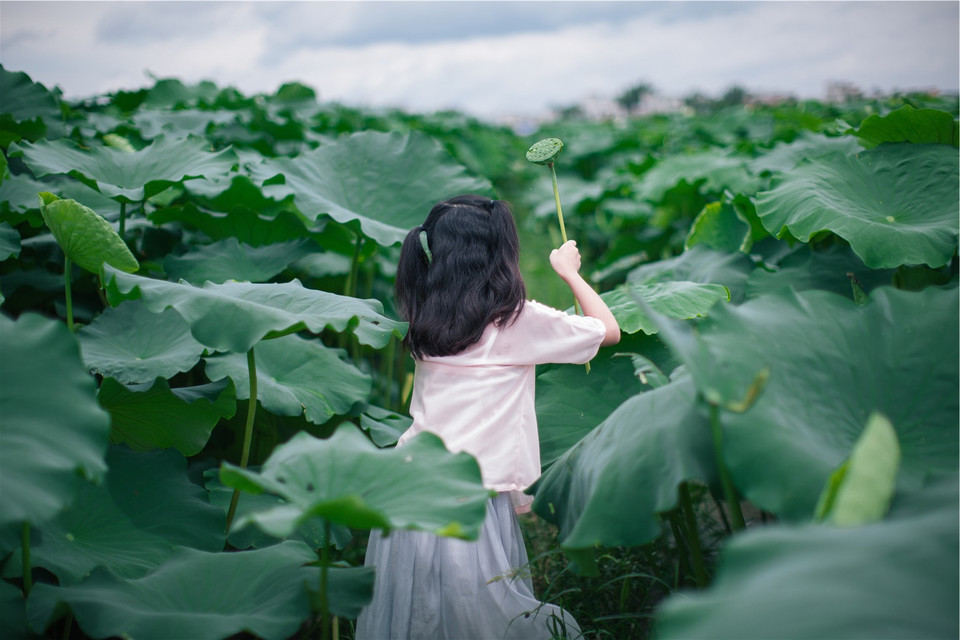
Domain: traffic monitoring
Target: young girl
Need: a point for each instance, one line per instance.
(476, 342)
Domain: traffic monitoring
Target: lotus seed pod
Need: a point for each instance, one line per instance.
(545, 151)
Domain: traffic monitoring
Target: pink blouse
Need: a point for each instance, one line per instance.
(481, 400)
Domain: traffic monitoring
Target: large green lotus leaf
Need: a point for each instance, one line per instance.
(379, 184)
(85, 237)
(699, 264)
(829, 364)
(127, 176)
(9, 241)
(346, 479)
(310, 531)
(132, 522)
(786, 155)
(18, 193)
(716, 170)
(249, 226)
(678, 299)
(563, 417)
(147, 417)
(133, 344)
(182, 123)
(23, 99)
(296, 376)
(52, 426)
(195, 594)
(720, 227)
(829, 269)
(893, 579)
(230, 260)
(896, 204)
(237, 315)
(384, 426)
(610, 486)
(906, 124)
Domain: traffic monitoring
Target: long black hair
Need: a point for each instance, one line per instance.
(470, 277)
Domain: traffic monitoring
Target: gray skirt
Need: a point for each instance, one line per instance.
(433, 588)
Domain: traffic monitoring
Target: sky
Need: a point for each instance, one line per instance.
(490, 59)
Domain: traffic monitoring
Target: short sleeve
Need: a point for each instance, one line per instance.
(544, 335)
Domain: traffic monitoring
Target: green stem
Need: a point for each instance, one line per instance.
(693, 536)
(123, 219)
(25, 553)
(324, 576)
(390, 367)
(247, 431)
(563, 230)
(350, 289)
(683, 562)
(729, 491)
(67, 282)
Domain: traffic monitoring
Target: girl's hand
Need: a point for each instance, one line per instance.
(566, 260)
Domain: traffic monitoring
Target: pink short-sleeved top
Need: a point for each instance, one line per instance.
(481, 400)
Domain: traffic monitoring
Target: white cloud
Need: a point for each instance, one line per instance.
(532, 63)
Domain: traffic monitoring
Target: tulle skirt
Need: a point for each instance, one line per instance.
(433, 588)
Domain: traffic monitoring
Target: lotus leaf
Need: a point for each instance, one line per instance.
(85, 237)
(859, 492)
(230, 260)
(608, 488)
(310, 531)
(378, 184)
(895, 205)
(820, 392)
(346, 479)
(195, 594)
(53, 431)
(133, 344)
(296, 376)
(677, 299)
(128, 177)
(699, 264)
(147, 417)
(906, 124)
(237, 315)
(834, 269)
(131, 523)
(714, 170)
(893, 579)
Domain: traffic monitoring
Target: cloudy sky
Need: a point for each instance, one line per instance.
(487, 58)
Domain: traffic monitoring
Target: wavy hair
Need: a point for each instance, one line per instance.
(470, 278)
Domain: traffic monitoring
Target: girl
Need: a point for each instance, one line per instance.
(476, 342)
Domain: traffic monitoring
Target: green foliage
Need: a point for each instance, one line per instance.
(785, 277)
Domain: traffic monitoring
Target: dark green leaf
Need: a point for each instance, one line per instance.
(132, 344)
(236, 315)
(610, 486)
(132, 522)
(895, 204)
(147, 417)
(52, 426)
(378, 184)
(296, 376)
(906, 124)
(85, 237)
(196, 594)
(890, 580)
(127, 176)
(348, 480)
(230, 260)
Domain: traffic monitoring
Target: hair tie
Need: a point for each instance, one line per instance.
(426, 247)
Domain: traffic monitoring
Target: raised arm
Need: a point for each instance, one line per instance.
(566, 262)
